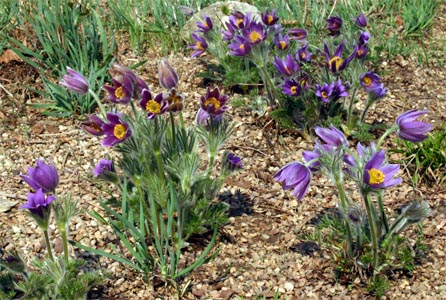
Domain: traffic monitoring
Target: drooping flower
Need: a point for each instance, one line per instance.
(116, 131)
(297, 34)
(303, 54)
(334, 25)
(378, 174)
(377, 92)
(239, 46)
(410, 129)
(103, 166)
(287, 66)
(324, 92)
(120, 92)
(254, 33)
(133, 82)
(234, 162)
(75, 82)
(214, 103)
(39, 205)
(206, 25)
(282, 41)
(93, 125)
(335, 62)
(269, 18)
(331, 136)
(363, 38)
(294, 176)
(43, 176)
(153, 107)
(291, 87)
(361, 21)
(199, 46)
(167, 75)
(369, 80)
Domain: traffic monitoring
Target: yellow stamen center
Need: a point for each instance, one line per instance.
(282, 45)
(324, 94)
(359, 52)
(212, 101)
(367, 81)
(376, 176)
(337, 61)
(199, 46)
(119, 131)
(303, 55)
(254, 36)
(270, 19)
(153, 107)
(119, 93)
(294, 89)
(242, 46)
(239, 21)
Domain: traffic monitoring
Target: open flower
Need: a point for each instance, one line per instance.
(153, 107)
(334, 25)
(410, 129)
(167, 75)
(269, 18)
(282, 41)
(206, 25)
(93, 125)
(43, 176)
(369, 80)
(120, 92)
(378, 174)
(324, 92)
(339, 90)
(335, 62)
(254, 33)
(199, 46)
(116, 131)
(75, 82)
(239, 46)
(295, 176)
(287, 66)
(303, 54)
(39, 206)
(291, 87)
(204, 119)
(214, 103)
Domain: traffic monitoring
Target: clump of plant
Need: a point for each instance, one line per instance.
(64, 33)
(361, 232)
(305, 84)
(168, 173)
(53, 278)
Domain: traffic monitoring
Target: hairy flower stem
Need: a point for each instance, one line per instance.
(344, 207)
(373, 230)
(382, 212)
(350, 109)
(64, 235)
(98, 102)
(385, 134)
(172, 123)
(48, 245)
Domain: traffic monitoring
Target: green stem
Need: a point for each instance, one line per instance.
(63, 233)
(385, 134)
(382, 212)
(269, 86)
(344, 208)
(373, 230)
(159, 164)
(98, 102)
(172, 122)
(48, 245)
(350, 109)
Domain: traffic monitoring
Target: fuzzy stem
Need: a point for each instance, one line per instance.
(63, 233)
(48, 245)
(350, 109)
(344, 207)
(373, 230)
(382, 212)
(385, 134)
(98, 102)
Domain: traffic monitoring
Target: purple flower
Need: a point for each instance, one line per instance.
(361, 21)
(303, 54)
(313, 157)
(282, 41)
(286, 67)
(102, 167)
(116, 131)
(304, 81)
(43, 176)
(339, 90)
(379, 175)
(369, 80)
(234, 162)
(295, 176)
(75, 82)
(291, 87)
(334, 25)
(238, 20)
(214, 103)
(228, 34)
(120, 92)
(153, 107)
(39, 205)
(174, 100)
(361, 50)
(410, 129)
(93, 125)
(335, 62)
(269, 18)
(331, 136)
(297, 34)
(254, 33)
(363, 38)
(377, 92)
(199, 46)
(239, 47)
(167, 75)
(204, 119)
(124, 75)
(324, 92)
(206, 25)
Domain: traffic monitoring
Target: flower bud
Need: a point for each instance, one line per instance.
(167, 75)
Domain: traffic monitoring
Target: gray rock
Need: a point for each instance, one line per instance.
(218, 18)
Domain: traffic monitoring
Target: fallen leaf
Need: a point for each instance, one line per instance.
(9, 56)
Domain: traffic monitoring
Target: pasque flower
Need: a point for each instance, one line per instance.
(410, 129)
(214, 103)
(286, 66)
(324, 92)
(199, 46)
(334, 25)
(234, 162)
(206, 25)
(335, 62)
(269, 18)
(120, 92)
(75, 82)
(377, 92)
(204, 119)
(153, 107)
(254, 33)
(43, 176)
(297, 34)
(339, 90)
(282, 41)
(378, 174)
(93, 125)
(303, 54)
(291, 87)
(102, 167)
(239, 46)
(39, 206)
(123, 75)
(331, 136)
(116, 131)
(369, 80)
(361, 21)
(294, 176)
(167, 75)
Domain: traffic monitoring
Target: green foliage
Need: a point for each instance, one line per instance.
(64, 34)
(425, 161)
(8, 11)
